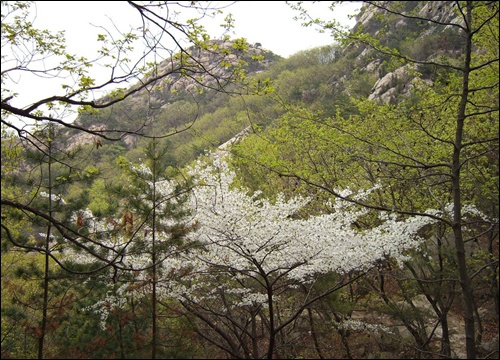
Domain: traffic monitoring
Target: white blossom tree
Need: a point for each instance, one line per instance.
(250, 256)
(257, 255)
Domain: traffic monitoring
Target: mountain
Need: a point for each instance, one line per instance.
(174, 101)
(422, 41)
(341, 125)
(188, 106)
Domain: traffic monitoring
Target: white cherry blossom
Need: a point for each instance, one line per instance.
(248, 253)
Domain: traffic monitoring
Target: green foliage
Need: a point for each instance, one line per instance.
(11, 156)
(312, 131)
(22, 291)
(102, 203)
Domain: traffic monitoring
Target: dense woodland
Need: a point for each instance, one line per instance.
(230, 203)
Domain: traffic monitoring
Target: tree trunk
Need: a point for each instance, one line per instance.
(465, 280)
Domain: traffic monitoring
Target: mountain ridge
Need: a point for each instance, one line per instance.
(359, 71)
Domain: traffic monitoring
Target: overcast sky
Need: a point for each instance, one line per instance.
(267, 22)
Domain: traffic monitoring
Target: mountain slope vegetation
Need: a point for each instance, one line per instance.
(339, 203)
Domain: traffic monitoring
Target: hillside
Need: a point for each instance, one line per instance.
(178, 102)
(339, 203)
(334, 72)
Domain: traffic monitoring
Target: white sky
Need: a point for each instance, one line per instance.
(268, 22)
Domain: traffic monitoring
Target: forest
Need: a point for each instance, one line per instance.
(222, 202)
